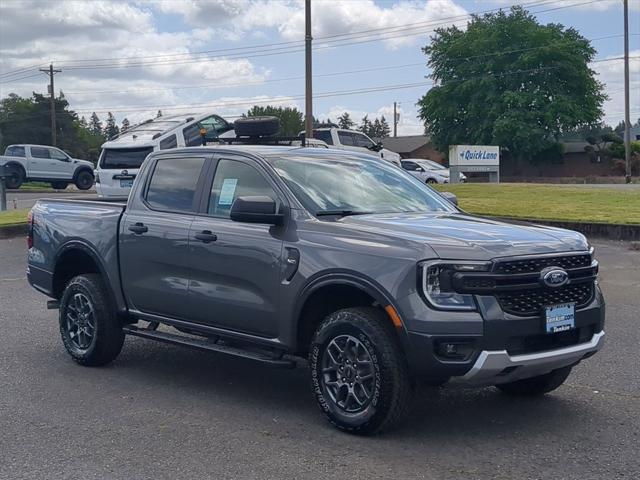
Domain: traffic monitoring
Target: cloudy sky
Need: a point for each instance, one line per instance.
(133, 58)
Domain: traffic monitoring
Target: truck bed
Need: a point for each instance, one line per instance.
(91, 224)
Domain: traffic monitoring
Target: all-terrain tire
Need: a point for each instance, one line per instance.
(84, 180)
(392, 388)
(256, 126)
(100, 322)
(16, 177)
(534, 386)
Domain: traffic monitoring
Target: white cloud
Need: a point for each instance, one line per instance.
(598, 5)
(612, 75)
(329, 17)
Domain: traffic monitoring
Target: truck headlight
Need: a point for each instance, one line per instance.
(437, 284)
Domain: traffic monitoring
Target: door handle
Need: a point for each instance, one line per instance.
(138, 228)
(206, 236)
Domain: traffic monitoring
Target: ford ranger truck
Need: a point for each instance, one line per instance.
(277, 254)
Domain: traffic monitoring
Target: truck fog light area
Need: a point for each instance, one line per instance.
(437, 285)
(454, 349)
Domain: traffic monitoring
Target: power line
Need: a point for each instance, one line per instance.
(260, 51)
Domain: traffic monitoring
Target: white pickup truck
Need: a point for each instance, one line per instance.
(356, 141)
(45, 164)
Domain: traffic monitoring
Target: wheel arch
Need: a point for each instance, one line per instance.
(75, 258)
(333, 291)
(18, 165)
(80, 169)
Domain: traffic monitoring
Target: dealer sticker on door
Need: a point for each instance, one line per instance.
(560, 318)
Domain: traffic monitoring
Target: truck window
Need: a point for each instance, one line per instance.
(214, 125)
(58, 155)
(15, 151)
(123, 158)
(324, 135)
(40, 152)
(346, 138)
(192, 135)
(361, 140)
(173, 184)
(169, 142)
(235, 179)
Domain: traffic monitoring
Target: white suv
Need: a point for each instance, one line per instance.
(354, 140)
(122, 157)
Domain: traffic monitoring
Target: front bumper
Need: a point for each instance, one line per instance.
(494, 367)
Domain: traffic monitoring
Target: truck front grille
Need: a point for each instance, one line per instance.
(532, 265)
(530, 302)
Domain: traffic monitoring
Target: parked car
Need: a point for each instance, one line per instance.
(355, 141)
(428, 171)
(43, 163)
(274, 253)
(122, 156)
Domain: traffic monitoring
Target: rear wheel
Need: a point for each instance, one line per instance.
(59, 185)
(535, 386)
(89, 328)
(16, 177)
(359, 376)
(84, 180)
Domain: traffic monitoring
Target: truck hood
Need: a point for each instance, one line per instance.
(83, 162)
(463, 236)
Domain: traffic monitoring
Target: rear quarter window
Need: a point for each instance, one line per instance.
(15, 151)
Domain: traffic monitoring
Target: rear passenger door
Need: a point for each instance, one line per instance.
(235, 267)
(154, 235)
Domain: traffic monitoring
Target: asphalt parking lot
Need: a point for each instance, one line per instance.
(164, 412)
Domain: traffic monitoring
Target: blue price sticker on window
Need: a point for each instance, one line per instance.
(228, 191)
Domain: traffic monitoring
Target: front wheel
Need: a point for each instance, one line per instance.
(535, 386)
(359, 375)
(89, 327)
(84, 180)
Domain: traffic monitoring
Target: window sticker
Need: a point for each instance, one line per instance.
(227, 191)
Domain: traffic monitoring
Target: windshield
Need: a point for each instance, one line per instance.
(346, 185)
(124, 158)
(431, 165)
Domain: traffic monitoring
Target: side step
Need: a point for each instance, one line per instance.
(209, 346)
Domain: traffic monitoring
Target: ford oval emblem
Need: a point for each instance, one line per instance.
(554, 277)
(124, 172)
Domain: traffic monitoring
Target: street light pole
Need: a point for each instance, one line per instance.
(308, 120)
(627, 117)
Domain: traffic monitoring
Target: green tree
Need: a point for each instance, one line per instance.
(508, 80)
(95, 125)
(126, 125)
(291, 119)
(365, 125)
(111, 128)
(344, 121)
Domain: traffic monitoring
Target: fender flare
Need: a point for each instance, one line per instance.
(79, 169)
(13, 163)
(373, 289)
(76, 244)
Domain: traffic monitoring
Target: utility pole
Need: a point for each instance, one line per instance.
(627, 118)
(308, 119)
(52, 100)
(395, 119)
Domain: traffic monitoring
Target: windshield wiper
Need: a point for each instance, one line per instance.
(342, 213)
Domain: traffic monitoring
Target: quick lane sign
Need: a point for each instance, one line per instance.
(476, 155)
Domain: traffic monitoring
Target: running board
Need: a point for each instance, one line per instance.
(208, 346)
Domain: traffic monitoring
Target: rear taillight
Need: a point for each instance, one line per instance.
(30, 230)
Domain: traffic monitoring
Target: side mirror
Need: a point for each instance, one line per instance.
(420, 169)
(451, 197)
(258, 209)
(376, 147)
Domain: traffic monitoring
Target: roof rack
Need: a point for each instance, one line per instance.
(270, 140)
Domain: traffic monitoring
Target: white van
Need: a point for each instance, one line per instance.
(356, 141)
(122, 157)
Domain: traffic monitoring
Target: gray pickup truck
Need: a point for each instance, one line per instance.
(275, 253)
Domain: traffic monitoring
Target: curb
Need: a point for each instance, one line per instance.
(611, 231)
(10, 231)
